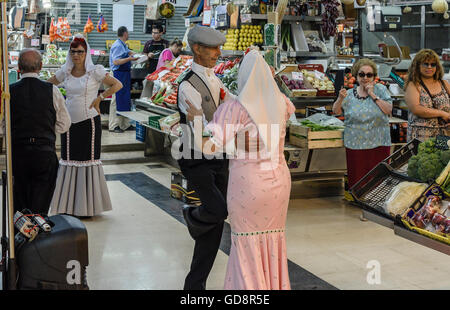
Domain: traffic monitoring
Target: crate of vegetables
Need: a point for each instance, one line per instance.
(430, 215)
(293, 83)
(315, 75)
(312, 136)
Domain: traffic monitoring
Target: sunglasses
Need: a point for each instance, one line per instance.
(369, 75)
(73, 52)
(427, 64)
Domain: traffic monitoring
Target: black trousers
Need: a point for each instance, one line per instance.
(34, 179)
(209, 179)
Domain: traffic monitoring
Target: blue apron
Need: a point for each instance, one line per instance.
(123, 96)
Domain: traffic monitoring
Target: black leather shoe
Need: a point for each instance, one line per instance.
(195, 228)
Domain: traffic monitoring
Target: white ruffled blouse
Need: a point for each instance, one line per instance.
(81, 92)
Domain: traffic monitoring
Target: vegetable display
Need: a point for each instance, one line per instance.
(102, 25)
(403, 196)
(229, 79)
(329, 17)
(429, 162)
(317, 127)
(89, 25)
(293, 84)
(241, 39)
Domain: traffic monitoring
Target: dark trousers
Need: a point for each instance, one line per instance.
(34, 179)
(209, 179)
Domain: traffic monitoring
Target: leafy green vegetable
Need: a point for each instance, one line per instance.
(429, 162)
(316, 127)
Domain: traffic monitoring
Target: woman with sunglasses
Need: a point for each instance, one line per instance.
(81, 186)
(427, 96)
(366, 108)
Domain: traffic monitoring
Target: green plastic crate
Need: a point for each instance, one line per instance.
(153, 121)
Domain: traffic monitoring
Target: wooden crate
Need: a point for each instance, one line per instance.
(309, 92)
(315, 139)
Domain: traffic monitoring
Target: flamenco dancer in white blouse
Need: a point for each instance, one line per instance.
(81, 188)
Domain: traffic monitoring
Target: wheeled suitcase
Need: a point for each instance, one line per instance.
(55, 260)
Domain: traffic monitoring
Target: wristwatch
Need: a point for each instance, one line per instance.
(101, 96)
(376, 98)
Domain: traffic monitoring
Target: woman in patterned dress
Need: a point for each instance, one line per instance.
(81, 188)
(366, 108)
(259, 180)
(427, 96)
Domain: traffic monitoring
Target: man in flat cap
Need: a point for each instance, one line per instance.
(208, 177)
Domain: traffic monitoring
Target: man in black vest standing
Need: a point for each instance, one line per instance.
(38, 111)
(208, 177)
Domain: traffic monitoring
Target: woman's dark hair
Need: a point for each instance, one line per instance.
(176, 42)
(77, 42)
(121, 31)
(159, 28)
(422, 56)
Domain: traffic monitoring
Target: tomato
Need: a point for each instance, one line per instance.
(351, 85)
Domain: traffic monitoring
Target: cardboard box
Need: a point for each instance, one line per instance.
(392, 52)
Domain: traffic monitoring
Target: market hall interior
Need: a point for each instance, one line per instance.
(328, 246)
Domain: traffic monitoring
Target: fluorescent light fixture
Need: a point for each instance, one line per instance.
(47, 4)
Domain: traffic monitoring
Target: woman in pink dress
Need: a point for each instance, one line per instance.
(170, 53)
(259, 180)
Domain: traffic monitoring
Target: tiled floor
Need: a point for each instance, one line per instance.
(142, 245)
(324, 235)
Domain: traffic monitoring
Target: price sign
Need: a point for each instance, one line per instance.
(45, 39)
(319, 75)
(34, 42)
(443, 142)
(187, 22)
(297, 76)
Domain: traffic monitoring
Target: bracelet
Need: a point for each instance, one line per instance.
(101, 96)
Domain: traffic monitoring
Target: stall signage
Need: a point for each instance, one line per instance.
(45, 39)
(442, 142)
(34, 42)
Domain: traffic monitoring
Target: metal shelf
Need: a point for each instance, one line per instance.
(308, 54)
(154, 108)
(290, 18)
(229, 53)
(422, 240)
(197, 19)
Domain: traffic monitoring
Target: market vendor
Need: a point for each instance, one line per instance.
(208, 177)
(120, 63)
(167, 55)
(427, 96)
(153, 48)
(366, 109)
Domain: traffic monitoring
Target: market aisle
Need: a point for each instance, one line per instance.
(143, 244)
(325, 237)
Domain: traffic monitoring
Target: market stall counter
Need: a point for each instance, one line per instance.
(409, 193)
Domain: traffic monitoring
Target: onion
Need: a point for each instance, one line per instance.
(439, 6)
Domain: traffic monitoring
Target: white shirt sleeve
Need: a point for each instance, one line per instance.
(99, 73)
(63, 120)
(60, 75)
(187, 92)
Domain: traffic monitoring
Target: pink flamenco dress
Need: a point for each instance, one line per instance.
(258, 198)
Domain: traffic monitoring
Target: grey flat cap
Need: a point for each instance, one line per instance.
(205, 36)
